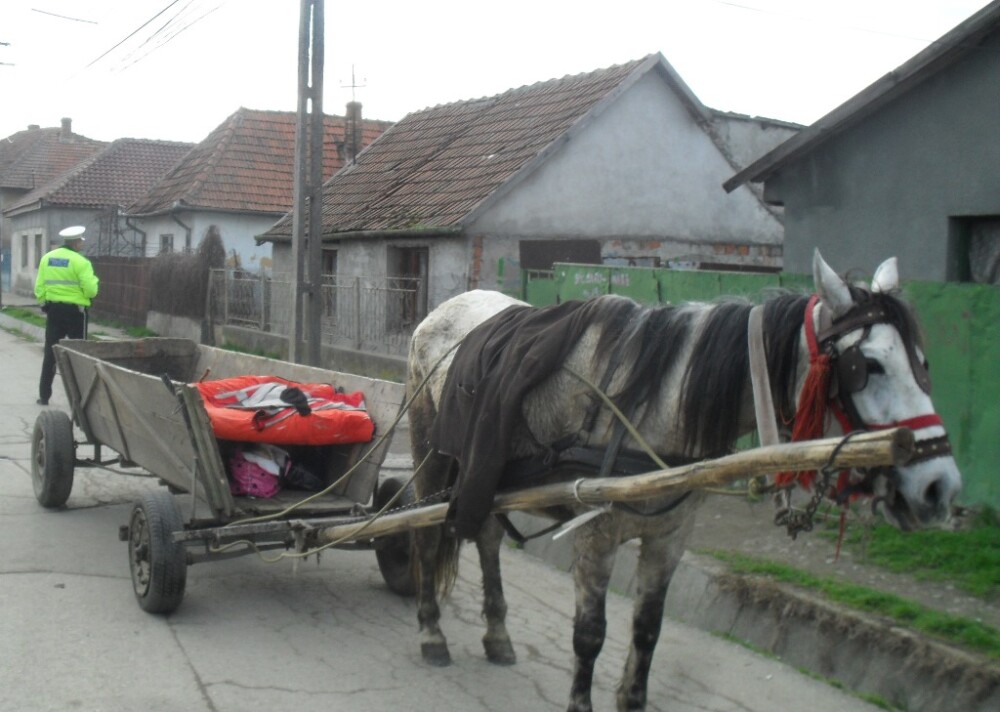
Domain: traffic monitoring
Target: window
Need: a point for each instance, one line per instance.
(166, 243)
(24, 251)
(974, 249)
(406, 298)
(38, 249)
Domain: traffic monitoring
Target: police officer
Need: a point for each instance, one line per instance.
(65, 285)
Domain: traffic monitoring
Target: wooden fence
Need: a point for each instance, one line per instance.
(124, 291)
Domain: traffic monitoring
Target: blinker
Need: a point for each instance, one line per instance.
(852, 370)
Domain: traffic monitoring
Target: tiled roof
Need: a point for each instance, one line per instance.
(35, 156)
(436, 166)
(118, 175)
(246, 165)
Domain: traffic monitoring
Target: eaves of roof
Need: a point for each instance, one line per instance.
(181, 207)
(402, 233)
(940, 54)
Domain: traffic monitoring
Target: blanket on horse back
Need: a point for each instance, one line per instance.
(495, 366)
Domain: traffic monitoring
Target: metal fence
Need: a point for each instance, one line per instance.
(370, 314)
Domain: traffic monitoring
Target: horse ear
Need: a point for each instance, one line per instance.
(886, 277)
(830, 287)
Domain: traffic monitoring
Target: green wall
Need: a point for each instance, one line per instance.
(961, 323)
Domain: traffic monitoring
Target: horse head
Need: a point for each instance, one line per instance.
(875, 378)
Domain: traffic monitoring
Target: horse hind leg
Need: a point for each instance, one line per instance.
(427, 542)
(430, 545)
(496, 641)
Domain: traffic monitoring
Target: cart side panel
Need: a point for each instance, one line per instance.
(212, 472)
(383, 400)
(134, 414)
(155, 356)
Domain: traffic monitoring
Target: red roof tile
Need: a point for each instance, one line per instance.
(33, 157)
(117, 175)
(246, 164)
(437, 165)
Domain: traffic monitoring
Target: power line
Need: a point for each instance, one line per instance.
(63, 17)
(168, 37)
(132, 34)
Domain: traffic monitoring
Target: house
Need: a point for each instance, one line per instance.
(617, 166)
(91, 193)
(240, 180)
(907, 167)
(29, 159)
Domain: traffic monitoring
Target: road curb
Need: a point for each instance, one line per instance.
(865, 653)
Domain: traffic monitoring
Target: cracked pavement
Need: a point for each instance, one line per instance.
(330, 636)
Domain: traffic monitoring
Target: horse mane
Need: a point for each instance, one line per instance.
(648, 338)
(717, 372)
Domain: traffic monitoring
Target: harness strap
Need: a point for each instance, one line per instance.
(767, 425)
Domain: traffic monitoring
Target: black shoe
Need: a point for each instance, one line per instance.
(42, 401)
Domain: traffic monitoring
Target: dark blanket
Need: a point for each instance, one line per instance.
(496, 365)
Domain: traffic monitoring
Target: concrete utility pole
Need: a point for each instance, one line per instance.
(307, 213)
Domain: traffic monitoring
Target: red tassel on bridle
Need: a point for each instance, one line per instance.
(810, 416)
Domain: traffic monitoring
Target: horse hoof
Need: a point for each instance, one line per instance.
(436, 654)
(500, 652)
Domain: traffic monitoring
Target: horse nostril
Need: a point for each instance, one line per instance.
(932, 495)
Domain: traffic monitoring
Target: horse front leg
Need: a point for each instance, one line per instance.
(595, 546)
(496, 641)
(433, 645)
(659, 554)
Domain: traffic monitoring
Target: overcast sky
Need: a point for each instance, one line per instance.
(168, 69)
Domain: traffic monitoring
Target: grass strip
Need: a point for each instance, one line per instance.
(958, 630)
(968, 558)
(29, 316)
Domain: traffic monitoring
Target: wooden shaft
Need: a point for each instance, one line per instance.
(881, 448)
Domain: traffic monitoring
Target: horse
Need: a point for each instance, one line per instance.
(681, 374)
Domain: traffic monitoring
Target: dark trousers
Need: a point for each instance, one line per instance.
(63, 321)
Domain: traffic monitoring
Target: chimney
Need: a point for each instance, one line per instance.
(67, 129)
(352, 132)
(32, 127)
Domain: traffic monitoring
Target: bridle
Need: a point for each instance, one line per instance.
(849, 370)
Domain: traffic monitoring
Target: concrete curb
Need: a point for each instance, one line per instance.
(865, 653)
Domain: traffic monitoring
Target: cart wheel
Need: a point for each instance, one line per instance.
(52, 458)
(158, 564)
(393, 551)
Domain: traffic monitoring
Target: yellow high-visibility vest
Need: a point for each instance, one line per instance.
(65, 275)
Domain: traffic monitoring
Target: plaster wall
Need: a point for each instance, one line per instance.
(889, 185)
(237, 230)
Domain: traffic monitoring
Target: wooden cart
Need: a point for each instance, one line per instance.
(136, 398)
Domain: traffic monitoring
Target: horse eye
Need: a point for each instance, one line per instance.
(874, 366)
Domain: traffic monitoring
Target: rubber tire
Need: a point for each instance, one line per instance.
(393, 552)
(53, 457)
(158, 564)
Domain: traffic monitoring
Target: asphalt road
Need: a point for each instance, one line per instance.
(327, 636)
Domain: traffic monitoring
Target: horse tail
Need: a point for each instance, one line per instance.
(446, 563)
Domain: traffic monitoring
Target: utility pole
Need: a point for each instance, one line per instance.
(307, 212)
